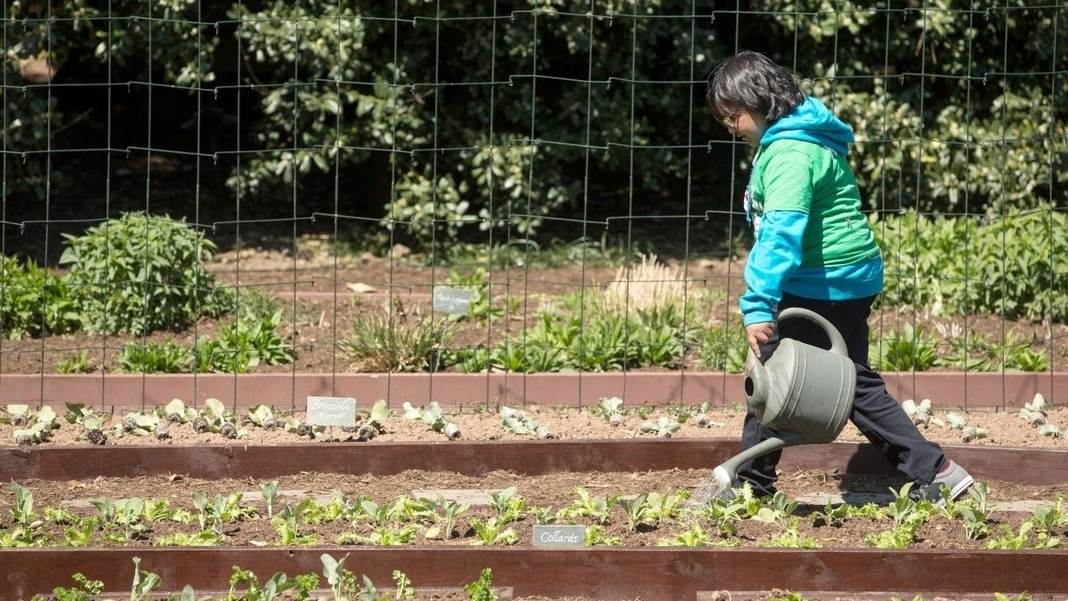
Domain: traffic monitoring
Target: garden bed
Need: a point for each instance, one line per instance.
(582, 477)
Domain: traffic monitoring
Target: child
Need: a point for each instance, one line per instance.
(813, 249)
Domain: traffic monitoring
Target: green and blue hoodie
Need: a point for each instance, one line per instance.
(803, 202)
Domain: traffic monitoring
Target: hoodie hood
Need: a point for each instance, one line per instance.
(812, 122)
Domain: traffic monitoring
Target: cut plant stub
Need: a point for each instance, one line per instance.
(365, 432)
(451, 431)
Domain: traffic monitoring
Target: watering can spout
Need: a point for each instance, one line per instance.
(727, 472)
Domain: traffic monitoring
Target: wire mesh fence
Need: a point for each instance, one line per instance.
(330, 188)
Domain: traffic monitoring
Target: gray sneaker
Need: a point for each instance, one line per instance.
(955, 479)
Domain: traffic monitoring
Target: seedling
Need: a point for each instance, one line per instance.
(636, 509)
(446, 514)
(791, 537)
(373, 421)
(176, 412)
(611, 409)
(664, 507)
(519, 422)
(214, 417)
(1035, 411)
(664, 427)
(1050, 430)
(262, 416)
(404, 588)
(341, 581)
(144, 582)
(508, 505)
(38, 425)
(919, 413)
(270, 493)
(140, 424)
(493, 531)
(285, 525)
(434, 417)
(22, 511)
(93, 431)
(481, 589)
(701, 418)
(970, 433)
(696, 536)
(586, 505)
(85, 591)
(16, 415)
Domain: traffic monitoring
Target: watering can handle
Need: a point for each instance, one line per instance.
(838, 345)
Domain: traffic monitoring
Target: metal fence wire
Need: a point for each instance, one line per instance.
(378, 199)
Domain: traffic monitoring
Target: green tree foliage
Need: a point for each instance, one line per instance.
(445, 120)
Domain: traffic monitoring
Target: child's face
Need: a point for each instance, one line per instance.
(749, 126)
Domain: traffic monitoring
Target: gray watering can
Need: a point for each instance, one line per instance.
(802, 391)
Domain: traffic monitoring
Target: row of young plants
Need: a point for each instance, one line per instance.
(342, 584)
(1034, 413)
(142, 273)
(36, 425)
(647, 518)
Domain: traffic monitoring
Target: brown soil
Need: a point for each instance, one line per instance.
(557, 490)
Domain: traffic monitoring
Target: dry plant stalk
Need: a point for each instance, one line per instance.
(648, 285)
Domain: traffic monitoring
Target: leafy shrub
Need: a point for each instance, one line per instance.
(1013, 264)
(141, 273)
(34, 302)
(242, 344)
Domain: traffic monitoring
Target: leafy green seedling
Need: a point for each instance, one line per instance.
(611, 409)
(374, 421)
(664, 427)
(404, 588)
(446, 514)
(176, 412)
(508, 504)
(262, 416)
(1035, 411)
(493, 531)
(519, 422)
(434, 417)
(481, 589)
(635, 508)
(270, 493)
(37, 425)
(919, 413)
(144, 582)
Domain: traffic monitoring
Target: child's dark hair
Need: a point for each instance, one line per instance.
(751, 81)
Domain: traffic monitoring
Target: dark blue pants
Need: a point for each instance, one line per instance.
(875, 413)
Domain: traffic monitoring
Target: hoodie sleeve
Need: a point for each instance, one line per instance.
(775, 256)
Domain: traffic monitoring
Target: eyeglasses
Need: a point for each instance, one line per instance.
(731, 120)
